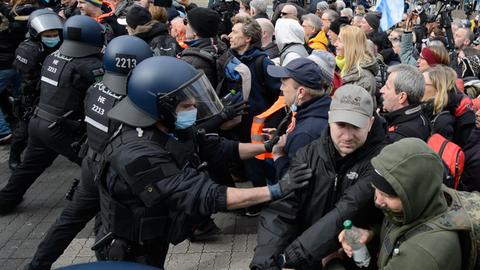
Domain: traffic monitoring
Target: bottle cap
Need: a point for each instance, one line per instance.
(347, 224)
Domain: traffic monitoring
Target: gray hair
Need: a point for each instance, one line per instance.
(347, 12)
(260, 6)
(322, 6)
(314, 21)
(408, 80)
(332, 14)
(340, 5)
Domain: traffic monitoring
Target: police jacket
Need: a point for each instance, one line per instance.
(64, 82)
(202, 54)
(305, 225)
(29, 58)
(152, 187)
(407, 122)
(310, 121)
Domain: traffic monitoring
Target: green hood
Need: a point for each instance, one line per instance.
(415, 172)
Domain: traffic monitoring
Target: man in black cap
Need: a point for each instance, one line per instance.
(154, 33)
(301, 229)
(204, 46)
(371, 26)
(304, 89)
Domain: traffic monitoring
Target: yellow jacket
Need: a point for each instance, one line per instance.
(319, 42)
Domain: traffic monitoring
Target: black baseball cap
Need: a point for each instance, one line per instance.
(302, 70)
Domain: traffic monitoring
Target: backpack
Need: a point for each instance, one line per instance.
(462, 216)
(452, 156)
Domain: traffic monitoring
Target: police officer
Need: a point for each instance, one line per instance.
(121, 55)
(57, 121)
(151, 186)
(44, 28)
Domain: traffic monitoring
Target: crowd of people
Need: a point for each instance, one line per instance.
(165, 105)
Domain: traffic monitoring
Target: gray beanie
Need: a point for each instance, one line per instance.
(326, 62)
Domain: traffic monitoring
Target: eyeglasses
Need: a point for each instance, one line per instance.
(397, 39)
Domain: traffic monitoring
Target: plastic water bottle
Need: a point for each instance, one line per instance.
(231, 98)
(360, 251)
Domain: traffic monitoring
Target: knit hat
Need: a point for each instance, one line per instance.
(338, 23)
(204, 21)
(322, 6)
(97, 3)
(429, 56)
(138, 15)
(379, 182)
(326, 62)
(373, 19)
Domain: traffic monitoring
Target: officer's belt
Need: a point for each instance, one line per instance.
(46, 115)
(93, 155)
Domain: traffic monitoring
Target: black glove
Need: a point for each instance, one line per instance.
(234, 110)
(296, 177)
(271, 143)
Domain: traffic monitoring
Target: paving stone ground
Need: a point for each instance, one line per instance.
(20, 232)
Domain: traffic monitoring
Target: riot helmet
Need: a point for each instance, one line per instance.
(82, 35)
(122, 54)
(157, 85)
(42, 20)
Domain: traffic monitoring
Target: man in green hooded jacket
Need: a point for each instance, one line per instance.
(407, 185)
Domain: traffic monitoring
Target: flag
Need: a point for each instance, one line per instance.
(392, 12)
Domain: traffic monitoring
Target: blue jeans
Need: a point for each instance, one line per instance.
(7, 77)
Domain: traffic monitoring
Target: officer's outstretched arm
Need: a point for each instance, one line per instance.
(297, 177)
(250, 150)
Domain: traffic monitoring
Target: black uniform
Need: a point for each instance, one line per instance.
(29, 58)
(56, 123)
(152, 191)
(85, 203)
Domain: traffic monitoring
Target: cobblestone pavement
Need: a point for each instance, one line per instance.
(21, 231)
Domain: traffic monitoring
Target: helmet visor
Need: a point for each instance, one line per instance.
(46, 22)
(201, 93)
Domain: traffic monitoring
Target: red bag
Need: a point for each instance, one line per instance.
(452, 156)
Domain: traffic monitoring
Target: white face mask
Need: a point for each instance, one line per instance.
(294, 106)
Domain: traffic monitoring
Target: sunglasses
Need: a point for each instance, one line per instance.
(284, 13)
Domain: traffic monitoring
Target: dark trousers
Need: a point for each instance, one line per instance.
(44, 145)
(78, 212)
(19, 140)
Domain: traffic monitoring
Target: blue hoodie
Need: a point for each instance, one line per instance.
(310, 121)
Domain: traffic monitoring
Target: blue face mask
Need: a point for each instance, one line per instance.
(186, 119)
(51, 41)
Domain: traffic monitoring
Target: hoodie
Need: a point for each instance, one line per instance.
(415, 172)
(310, 121)
(157, 36)
(290, 38)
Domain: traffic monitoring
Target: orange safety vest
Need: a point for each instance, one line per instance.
(100, 18)
(259, 123)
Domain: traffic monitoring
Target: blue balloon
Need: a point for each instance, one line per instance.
(109, 265)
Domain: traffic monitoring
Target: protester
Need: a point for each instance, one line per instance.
(268, 45)
(440, 101)
(401, 96)
(315, 37)
(258, 9)
(290, 37)
(407, 179)
(300, 230)
(357, 64)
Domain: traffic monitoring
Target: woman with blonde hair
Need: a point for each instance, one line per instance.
(445, 106)
(355, 60)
